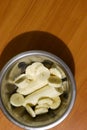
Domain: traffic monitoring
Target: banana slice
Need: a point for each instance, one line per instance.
(27, 87)
(30, 110)
(42, 106)
(56, 72)
(56, 103)
(17, 100)
(45, 100)
(41, 110)
(37, 70)
(61, 71)
(20, 78)
(54, 81)
(46, 91)
(65, 85)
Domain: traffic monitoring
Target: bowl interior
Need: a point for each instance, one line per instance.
(19, 114)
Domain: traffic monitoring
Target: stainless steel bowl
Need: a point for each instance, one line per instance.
(18, 115)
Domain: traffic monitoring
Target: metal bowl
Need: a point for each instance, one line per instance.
(18, 115)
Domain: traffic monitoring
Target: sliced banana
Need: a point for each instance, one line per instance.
(37, 70)
(45, 105)
(30, 110)
(46, 91)
(20, 78)
(65, 85)
(56, 72)
(56, 103)
(17, 100)
(45, 100)
(28, 87)
(61, 71)
(41, 110)
(54, 81)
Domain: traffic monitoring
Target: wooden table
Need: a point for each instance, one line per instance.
(58, 26)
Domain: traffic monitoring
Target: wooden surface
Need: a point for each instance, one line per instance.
(62, 19)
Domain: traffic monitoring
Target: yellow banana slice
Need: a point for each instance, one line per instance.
(41, 110)
(45, 100)
(42, 106)
(61, 71)
(65, 85)
(20, 78)
(37, 70)
(56, 72)
(17, 100)
(56, 103)
(30, 110)
(46, 91)
(54, 81)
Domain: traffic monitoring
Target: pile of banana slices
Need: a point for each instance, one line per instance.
(37, 89)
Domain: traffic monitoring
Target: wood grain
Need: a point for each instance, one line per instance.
(65, 19)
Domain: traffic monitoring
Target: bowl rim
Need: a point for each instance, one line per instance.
(55, 58)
